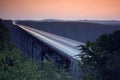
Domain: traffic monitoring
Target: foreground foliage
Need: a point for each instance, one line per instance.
(13, 66)
(101, 59)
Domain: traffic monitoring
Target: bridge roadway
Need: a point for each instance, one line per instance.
(69, 47)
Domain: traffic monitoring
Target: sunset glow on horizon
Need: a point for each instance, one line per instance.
(60, 9)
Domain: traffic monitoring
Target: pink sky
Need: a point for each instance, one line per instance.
(60, 9)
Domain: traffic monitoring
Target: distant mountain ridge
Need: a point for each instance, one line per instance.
(108, 22)
(76, 30)
(52, 20)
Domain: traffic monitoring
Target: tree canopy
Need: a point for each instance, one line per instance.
(101, 59)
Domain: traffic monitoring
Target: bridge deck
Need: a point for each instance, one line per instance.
(68, 46)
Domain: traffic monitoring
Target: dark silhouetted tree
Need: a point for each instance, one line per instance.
(101, 59)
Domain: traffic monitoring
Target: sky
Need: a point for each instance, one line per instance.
(60, 9)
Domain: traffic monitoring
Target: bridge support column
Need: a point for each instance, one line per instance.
(76, 70)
